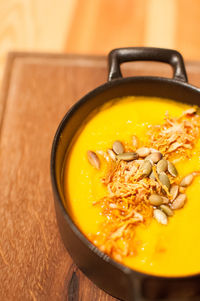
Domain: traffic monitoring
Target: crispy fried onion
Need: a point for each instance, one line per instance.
(176, 136)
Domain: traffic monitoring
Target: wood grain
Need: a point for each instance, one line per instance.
(187, 39)
(34, 25)
(96, 27)
(102, 25)
(37, 92)
(99, 26)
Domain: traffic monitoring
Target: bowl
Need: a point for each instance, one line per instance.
(116, 279)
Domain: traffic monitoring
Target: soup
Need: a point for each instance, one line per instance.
(132, 184)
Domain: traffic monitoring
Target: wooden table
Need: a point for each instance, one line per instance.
(97, 26)
(37, 91)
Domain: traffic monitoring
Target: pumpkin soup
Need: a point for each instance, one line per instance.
(132, 184)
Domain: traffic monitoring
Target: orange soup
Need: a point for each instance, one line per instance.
(132, 184)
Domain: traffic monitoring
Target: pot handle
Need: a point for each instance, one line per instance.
(121, 55)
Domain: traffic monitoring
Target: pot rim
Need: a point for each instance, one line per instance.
(125, 269)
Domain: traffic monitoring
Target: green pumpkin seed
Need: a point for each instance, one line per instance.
(164, 179)
(118, 147)
(155, 200)
(179, 202)
(111, 154)
(130, 156)
(93, 159)
(146, 168)
(143, 152)
(172, 169)
(166, 210)
(160, 216)
(135, 142)
(161, 166)
(154, 157)
(187, 180)
(174, 191)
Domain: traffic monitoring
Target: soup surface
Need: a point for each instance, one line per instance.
(170, 248)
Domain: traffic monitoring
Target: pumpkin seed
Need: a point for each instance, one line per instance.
(152, 176)
(154, 157)
(174, 192)
(160, 216)
(182, 189)
(187, 180)
(118, 147)
(179, 202)
(143, 152)
(130, 156)
(190, 111)
(161, 166)
(165, 200)
(111, 154)
(166, 210)
(135, 142)
(155, 200)
(146, 168)
(164, 179)
(93, 159)
(172, 169)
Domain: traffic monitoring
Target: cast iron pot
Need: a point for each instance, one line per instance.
(116, 279)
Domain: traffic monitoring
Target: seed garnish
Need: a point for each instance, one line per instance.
(160, 216)
(129, 156)
(93, 159)
(179, 202)
(155, 200)
(182, 189)
(162, 166)
(174, 192)
(166, 210)
(142, 180)
(143, 152)
(118, 147)
(190, 111)
(172, 169)
(187, 180)
(165, 200)
(111, 154)
(146, 168)
(152, 175)
(154, 157)
(164, 180)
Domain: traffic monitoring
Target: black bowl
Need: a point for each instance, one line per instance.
(116, 279)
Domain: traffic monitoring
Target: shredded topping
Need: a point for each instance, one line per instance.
(134, 196)
(176, 136)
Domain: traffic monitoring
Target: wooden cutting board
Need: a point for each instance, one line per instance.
(37, 91)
